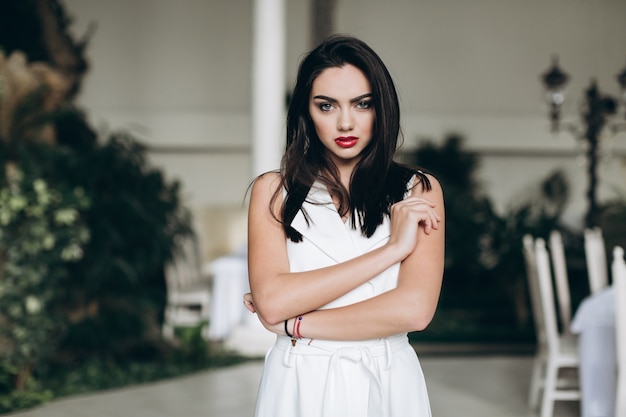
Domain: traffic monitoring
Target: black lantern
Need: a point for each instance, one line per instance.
(554, 81)
(598, 108)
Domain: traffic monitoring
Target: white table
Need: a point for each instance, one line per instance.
(230, 322)
(230, 282)
(594, 321)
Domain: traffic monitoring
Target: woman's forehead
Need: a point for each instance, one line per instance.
(339, 82)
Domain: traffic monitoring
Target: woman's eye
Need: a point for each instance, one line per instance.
(326, 107)
(364, 104)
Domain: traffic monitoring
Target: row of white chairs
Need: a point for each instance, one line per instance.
(555, 371)
(188, 291)
(618, 269)
(597, 271)
(206, 296)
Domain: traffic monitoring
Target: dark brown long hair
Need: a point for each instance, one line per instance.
(377, 181)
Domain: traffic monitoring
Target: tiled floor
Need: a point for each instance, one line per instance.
(468, 386)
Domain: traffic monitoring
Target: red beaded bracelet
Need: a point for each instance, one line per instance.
(299, 321)
(295, 333)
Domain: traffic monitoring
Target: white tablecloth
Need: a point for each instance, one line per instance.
(594, 321)
(230, 282)
(230, 322)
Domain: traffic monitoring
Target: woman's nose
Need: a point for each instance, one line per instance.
(345, 121)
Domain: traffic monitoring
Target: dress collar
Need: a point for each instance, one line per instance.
(326, 230)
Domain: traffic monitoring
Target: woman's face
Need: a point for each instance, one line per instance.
(343, 114)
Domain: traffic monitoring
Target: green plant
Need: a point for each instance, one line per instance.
(484, 294)
(87, 227)
(537, 215)
(41, 231)
(100, 310)
(613, 222)
(98, 374)
(192, 348)
(116, 302)
(42, 228)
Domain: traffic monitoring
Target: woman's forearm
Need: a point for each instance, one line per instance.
(287, 294)
(370, 319)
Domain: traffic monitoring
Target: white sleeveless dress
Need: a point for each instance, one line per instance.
(322, 378)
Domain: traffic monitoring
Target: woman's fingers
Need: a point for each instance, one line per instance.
(420, 210)
(407, 216)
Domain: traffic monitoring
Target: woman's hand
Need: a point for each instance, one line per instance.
(406, 218)
(248, 302)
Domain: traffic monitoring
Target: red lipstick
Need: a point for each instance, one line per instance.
(346, 141)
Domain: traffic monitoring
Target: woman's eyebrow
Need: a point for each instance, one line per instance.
(334, 100)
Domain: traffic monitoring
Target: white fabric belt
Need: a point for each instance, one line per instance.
(359, 352)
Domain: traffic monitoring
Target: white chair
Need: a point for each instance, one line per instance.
(559, 353)
(595, 255)
(528, 250)
(188, 291)
(618, 270)
(557, 255)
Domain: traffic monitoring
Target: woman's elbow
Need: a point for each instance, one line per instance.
(421, 323)
(269, 311)
(267, 304)
(418, 319)
(267, 314)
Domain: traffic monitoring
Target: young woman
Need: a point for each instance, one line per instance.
(345, 248)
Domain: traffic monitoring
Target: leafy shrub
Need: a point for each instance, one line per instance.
(41, 231)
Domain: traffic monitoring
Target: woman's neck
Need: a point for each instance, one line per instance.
(345, 174)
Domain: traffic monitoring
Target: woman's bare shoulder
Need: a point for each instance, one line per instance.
(421, 189)
(265, 192)
(266, 183)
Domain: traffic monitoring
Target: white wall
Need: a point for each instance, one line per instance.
(178, 73)
(474, 67)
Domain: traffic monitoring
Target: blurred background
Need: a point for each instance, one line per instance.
(181, 73)
(146, 121)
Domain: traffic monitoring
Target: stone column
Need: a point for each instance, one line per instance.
(268, 84)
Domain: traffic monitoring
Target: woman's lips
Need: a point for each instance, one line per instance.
(346, 141)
